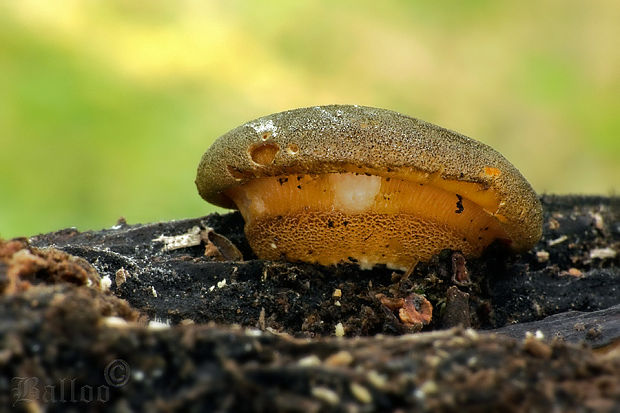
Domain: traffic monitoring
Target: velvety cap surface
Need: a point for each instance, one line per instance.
(345, 138)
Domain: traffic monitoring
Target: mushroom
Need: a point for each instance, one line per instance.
(347, 183)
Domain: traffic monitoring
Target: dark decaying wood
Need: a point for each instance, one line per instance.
(257, 335)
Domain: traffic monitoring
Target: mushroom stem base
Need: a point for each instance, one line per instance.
(396, 240)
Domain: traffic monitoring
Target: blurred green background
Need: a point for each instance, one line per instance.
(107, 106)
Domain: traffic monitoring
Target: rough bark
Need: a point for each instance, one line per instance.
(257, 335)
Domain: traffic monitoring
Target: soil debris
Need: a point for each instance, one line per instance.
(177, 329)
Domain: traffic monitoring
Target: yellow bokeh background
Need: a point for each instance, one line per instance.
(107, 106)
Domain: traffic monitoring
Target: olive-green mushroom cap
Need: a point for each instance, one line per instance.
(336, 138)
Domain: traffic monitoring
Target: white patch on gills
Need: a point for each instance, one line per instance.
(354, 193)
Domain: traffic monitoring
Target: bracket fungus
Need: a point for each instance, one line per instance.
(342, 183)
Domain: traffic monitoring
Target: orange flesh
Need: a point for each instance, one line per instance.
(368, 219)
